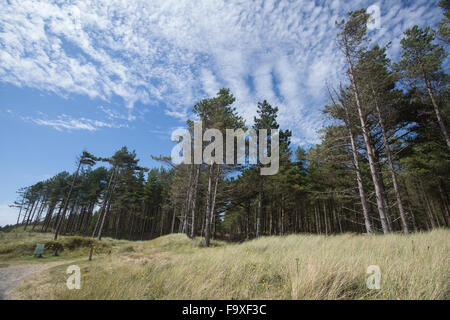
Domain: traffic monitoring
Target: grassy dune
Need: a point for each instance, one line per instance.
(292, 267)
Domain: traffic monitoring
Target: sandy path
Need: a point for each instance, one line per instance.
(13, 276)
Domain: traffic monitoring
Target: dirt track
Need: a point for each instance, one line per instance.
(12, 276)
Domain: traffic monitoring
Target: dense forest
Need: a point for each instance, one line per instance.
(382, 165)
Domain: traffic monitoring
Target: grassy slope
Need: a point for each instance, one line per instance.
(292, 267)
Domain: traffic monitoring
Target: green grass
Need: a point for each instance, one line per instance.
(291, 267)
(20, 246)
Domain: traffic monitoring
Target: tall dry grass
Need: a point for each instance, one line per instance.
(292, 267)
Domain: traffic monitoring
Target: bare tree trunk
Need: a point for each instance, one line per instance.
(188, 201)
(102, 209)
(117, 223)
(316, 216)
(392, 169)
(370, 154)
(411, 212)
(48, 217)
(144, 222)
(106, 204)
(247, 226)
(362, 193)
(162, 222)
(89, 217)
(413, 219)
(436, 216)
(282, 216)
(325, 217)
(57, 216)
(38, 217)
(213, 202)
(173, 218)
(153, 226)
(31, 215)
(438, 112)
(382, 188)
(69, 219)
(444, 199)
(26, 211)
(429, 209)
(132, 225)
(63, 215)
(20, 211)
(208, 206)
(271, 223)
(260, 200)
(194, 201)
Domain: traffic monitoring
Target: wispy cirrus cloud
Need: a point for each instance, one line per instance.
(174, 52)
(66, 122)
(112, 114)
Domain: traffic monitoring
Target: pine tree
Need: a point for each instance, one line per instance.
(352, 41)
(421, 64)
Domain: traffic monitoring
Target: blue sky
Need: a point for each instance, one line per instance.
(99, 75)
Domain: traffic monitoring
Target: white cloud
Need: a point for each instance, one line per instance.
(65, 122)
(8, 215)
(175, 52)
(113, 114)
(209, 82)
